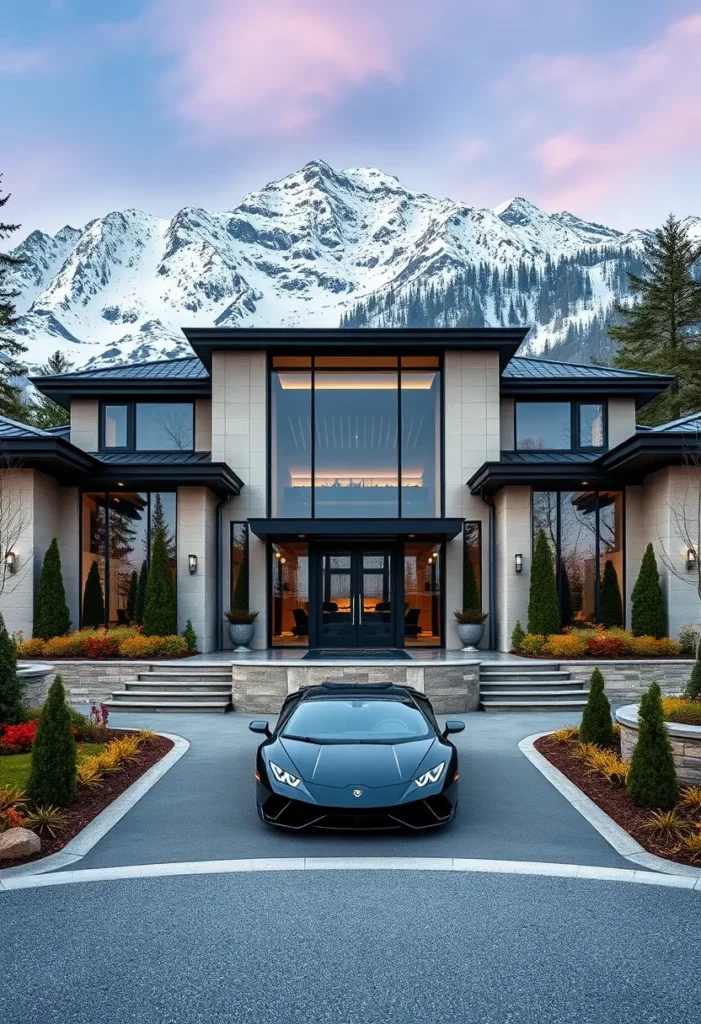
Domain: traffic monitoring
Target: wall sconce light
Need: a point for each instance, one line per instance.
(518, 563)
(192, 564)
(11, 562)
(690, 560)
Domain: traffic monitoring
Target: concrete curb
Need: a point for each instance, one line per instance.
(617, 837)
(464, 865)
(81, 844)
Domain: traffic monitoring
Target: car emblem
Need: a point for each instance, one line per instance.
(357, 792)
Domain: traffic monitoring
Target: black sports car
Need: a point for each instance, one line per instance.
(357, 756)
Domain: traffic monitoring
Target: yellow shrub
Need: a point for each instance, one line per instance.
(153, 647)
(692, 844)
(565, 646)
(604, 762)
(651, 647)
(147, 736)
(691, 798)
(532, 643)
(31, 649)
(622, 634)
(682, 710)
(566, 734)
(121, 633)
(70, 646)
(90, 772)
(668, 648)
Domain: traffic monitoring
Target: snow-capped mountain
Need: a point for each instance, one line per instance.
(320, 247)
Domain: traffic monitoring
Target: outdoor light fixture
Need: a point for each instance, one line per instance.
(690, 560)
(518, 563)
(192, 564)
(11, 562)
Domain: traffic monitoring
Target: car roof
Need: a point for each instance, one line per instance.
(331, 690)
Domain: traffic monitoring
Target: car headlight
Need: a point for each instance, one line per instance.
(431, 776)
(282, 776)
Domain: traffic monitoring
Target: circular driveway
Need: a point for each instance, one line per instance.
(204, 807)
(344, 947)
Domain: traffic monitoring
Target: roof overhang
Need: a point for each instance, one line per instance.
(492, 476)
(642, 389)
(642, 454)
(52, 455)
(62, 388)
(301, 340)
(355, 529)
(217, 476)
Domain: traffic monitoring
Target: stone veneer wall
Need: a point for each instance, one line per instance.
(261, 689)
(626, 680)
(87, 682)
(686, 749)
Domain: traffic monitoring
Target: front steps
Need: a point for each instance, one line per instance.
(169, 688)
(540, 686)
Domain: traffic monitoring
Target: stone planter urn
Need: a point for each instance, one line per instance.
(241, 634)
(470, 634)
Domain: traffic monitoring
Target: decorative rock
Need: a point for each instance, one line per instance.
(19, 842)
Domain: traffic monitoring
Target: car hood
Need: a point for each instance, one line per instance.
(368, 764)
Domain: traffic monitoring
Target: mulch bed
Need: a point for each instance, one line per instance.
(91, 801)
(612, 798)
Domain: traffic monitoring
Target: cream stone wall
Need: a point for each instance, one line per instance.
(84, 423)
(239, 423)
(472, 436)
(197, 535)
(203, 424)
(621, 420)
(513, 530)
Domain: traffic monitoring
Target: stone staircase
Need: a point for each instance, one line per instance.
(206, 688)
(535, 686)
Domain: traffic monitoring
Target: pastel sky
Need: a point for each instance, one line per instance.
(588, 105)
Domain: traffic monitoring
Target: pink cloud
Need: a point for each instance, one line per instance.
(260, 66)
(625, 116)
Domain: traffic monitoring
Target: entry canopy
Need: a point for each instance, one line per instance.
(335, 529)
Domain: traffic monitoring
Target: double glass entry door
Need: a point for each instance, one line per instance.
(356, 607)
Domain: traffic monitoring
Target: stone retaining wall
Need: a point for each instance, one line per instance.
(685, 740)
(87, 682)
(626, 679)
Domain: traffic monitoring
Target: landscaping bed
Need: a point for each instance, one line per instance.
(613, 799)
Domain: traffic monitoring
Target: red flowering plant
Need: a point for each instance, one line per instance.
(21, 736)
(101, 647)
(605, 646)
(11, 818)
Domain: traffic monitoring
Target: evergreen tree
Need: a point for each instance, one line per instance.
(652, 777)
(160, 608)
(543, 610)
(51, 615)
(693, 687)
(159, 522)
(517, 635)
(93, 599)
(141, 595)
(661, 333)
(647, 612)
(191, 636)
(470, 592)
(52, 779)
(11, 403)
(610, 601)
(11, 685)
(239, 599)
(597, 726)
(47, 413)
(131, 597)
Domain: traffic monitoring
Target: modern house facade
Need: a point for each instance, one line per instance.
(338, 481)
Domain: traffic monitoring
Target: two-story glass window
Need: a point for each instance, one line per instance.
(148, 426)
(560, 426)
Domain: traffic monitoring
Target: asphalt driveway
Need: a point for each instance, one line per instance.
(204, 807)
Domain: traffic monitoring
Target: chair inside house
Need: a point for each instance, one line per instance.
(411, 622)
(301, 626)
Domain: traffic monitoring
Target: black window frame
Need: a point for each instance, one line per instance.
(131, 425)
(575, 423)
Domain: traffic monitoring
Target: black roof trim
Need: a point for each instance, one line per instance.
(434, 529)
(61, 388)
(643, 389)
(492, 476)
(217, 476)
(51, 454)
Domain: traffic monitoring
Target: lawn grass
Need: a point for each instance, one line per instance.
(14, 770)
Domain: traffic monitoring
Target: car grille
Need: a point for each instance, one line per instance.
(418, 814)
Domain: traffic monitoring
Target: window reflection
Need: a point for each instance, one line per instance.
(420, 443)
(290, 447)
(164, 426)
(290, 594)
(422, 595)
(128, 533)
(115, 426)
(543, 425)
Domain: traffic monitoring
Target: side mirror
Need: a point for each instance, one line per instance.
(453, 726)
(260, 726)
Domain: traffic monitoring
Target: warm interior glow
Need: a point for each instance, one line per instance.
(373, 381)
(357, 479)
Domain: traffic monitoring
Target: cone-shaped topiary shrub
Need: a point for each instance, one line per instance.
(517, 636)
(611, 603)
(543, 609)
(647, 612)
(11, 685)
(160, 610)
(141, 595)
(652, 777)
(51, 615)
(693, 687)
(191, 636)
(131, 596)
(93, 599)
(52, 778)
(470, 593)
(239, 599)
(597, 726)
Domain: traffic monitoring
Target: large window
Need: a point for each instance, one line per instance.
(585, 531)
(148, 426)
(558, 426)
(355, 437)
(289, 589)
(422, 594)
(117, 530)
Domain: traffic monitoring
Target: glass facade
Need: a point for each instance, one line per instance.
(290, 594)
(558, 426)
(355, 437)
(422, 594)
(148, 426)
(585, 530)
(116, 532)
(591, 426)
(116, 418)
(239, 567)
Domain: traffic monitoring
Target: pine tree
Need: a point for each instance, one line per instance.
(597, 726)
(652, 777)
(11, 403)
(191, 636)
(693, 687)
(93, 599)
(131, 597)
(160, 608)
(47, 413)
(159, 522)
(517, 635)
(239, 599)
(141, 595)
(661, 333)
(470, 593)
(543, 610)
(610, 601)
(52, 779)
(51, 615)
(11, 685)
(647, 616)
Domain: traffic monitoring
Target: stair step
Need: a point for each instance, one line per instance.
(175, 705)
(532, 705)
(519, 685)
(176, 673)
(524, 673)
(167, 694)
(164, 686)
(546, 694)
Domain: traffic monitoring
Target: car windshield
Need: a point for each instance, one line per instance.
(356, 721)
